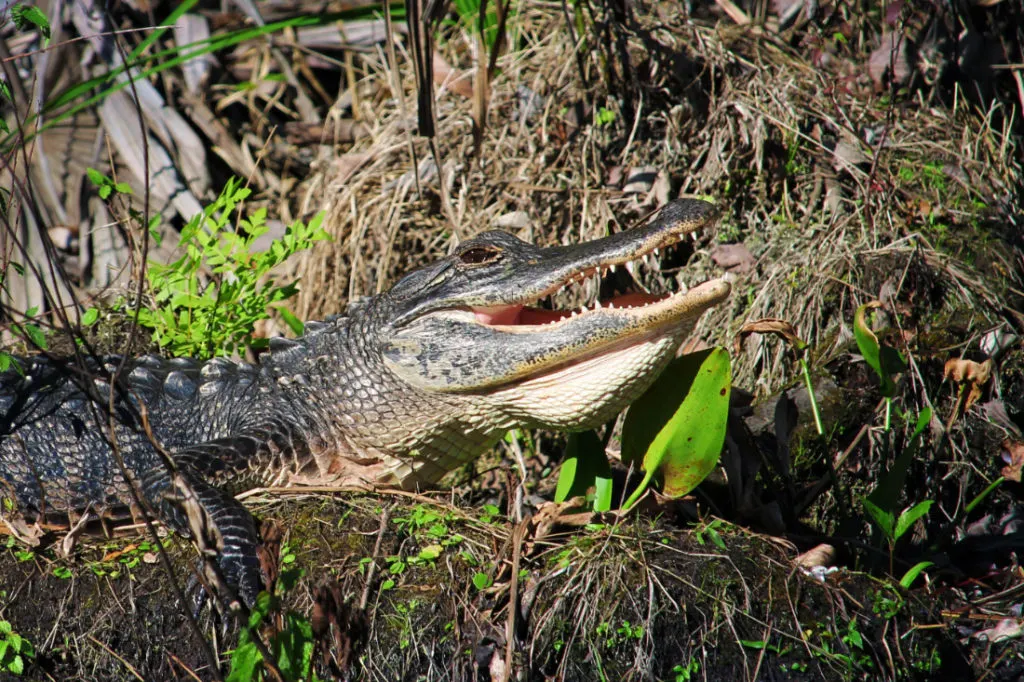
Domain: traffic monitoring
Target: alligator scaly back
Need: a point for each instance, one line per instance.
(406, 387)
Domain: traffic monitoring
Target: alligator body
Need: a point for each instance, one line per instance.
(405, 387)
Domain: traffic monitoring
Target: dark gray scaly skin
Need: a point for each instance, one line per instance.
(407, 386)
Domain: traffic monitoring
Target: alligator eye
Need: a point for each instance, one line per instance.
(480, 255)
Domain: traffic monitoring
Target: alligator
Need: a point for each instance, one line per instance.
(404, 387)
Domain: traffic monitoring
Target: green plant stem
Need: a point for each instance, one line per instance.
(983, 494)
(810, 394)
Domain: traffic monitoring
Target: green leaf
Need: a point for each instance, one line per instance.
(883, 518)
(602, 493)
(910, 516)
(910, 576)
(481, 581)
(430, 552)
(244, 662)
(294, 323)
(677, 427)
(96, 178)
(890, 485)
(27, 18)
(90, 316)
(17, 666)
(36, 335)
(584, 462)
(885, 360)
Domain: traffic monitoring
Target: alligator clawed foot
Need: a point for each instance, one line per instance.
(242, 578)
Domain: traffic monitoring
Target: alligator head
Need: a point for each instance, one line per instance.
(472, 324)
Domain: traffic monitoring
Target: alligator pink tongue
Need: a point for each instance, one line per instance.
(499, 314)
(520, 315)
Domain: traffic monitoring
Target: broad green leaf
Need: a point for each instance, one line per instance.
(481, 581)
(602, 493)
(910, 516)
(90, 316)
(885, 360)
(885, 519)
(585, 461)
(677, 428)
(244, 662)
(890, 485)
(910, 576)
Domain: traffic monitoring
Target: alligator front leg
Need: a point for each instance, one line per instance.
(232, 530)
(213, 518)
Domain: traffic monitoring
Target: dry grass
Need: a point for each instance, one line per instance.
(822, 178)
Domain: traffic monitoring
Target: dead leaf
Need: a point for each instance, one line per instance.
(960, 370)
(29, 535)
(995, 411)
(640, 180)
(1013, 455)
(771, 325)
(968, 371)
(447, 77)
(1007, 628)
(660, 190)
(340, 629)
(116, 554)
(733, 258)
(849, 153)
(890, 63)
(822, 555)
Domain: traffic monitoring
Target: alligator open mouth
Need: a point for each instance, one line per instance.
(489, 326)
(616, 285)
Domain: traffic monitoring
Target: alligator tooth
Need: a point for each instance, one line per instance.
(611, 268)
(631, 268)
(657, 252)
(611, 305)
